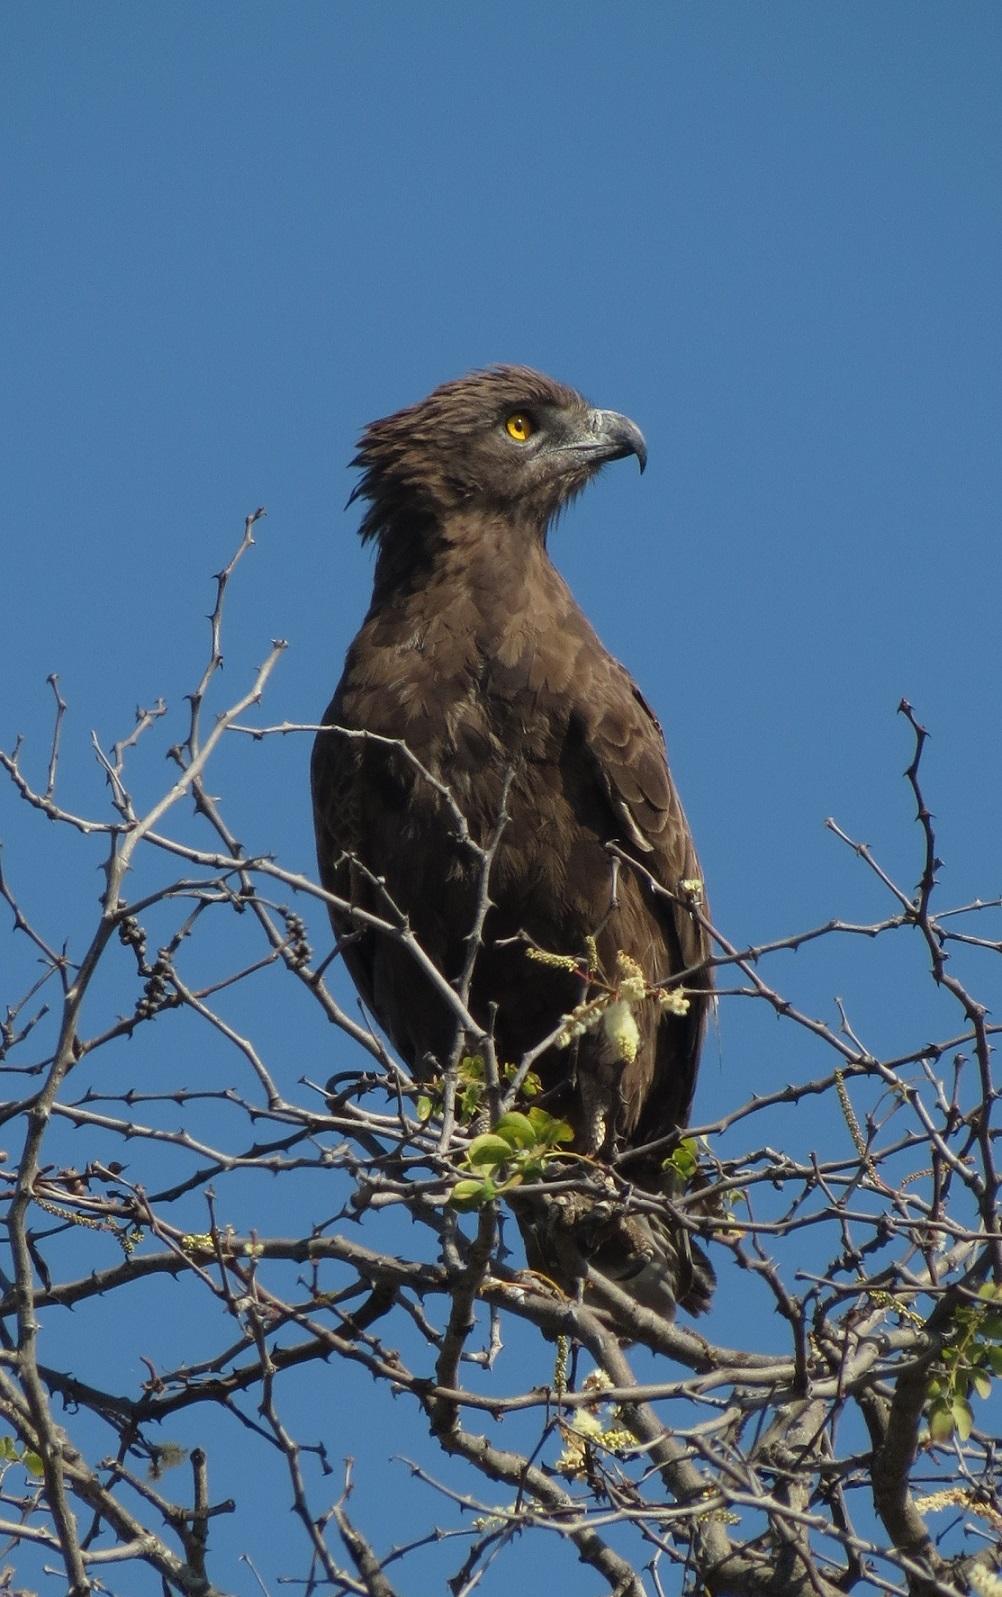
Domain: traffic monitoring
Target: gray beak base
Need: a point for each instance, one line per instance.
(617, 436)
(607, 435)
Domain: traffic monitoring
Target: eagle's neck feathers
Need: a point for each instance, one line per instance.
(464, 549)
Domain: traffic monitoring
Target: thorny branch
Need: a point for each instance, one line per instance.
(815, 1457)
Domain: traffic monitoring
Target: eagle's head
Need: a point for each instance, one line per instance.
(506, 440)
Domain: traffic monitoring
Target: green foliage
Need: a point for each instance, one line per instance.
(471, 1089)
(516, 1150)
(970, 1358)
(682, 1172)
(12, 1452)
(683, 1162)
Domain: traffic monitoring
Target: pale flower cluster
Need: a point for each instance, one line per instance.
(597, 1381)
(542, 956)
(984, 1582)
(577, 1023)
(613, 1008)
(622, 1030)
(673, 999)
(630, 979)
(586, 1430)
(956, 1496)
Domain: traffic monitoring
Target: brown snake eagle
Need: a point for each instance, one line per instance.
(475, 657)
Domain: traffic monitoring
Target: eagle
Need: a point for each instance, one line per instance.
(477, 705)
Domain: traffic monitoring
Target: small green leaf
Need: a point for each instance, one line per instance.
(683, 1160)
(424, 1108)
(963, 1417)
(488, 1151)
(993, 1355)
(982, 1383)
(469, 1101)
(471, 1194)
(33, 1464)
(941, 1422)
(548, 1128)
(517, 1130)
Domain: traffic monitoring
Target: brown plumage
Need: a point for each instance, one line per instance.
(475, 655)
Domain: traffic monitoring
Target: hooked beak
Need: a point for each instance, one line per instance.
(608, 436)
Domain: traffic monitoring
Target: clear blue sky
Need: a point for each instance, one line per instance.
(771, 233)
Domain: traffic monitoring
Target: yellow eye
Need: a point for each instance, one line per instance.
(519, 427)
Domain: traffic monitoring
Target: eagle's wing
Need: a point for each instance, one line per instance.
(625, 742)
(386, 845)
(625, 752)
